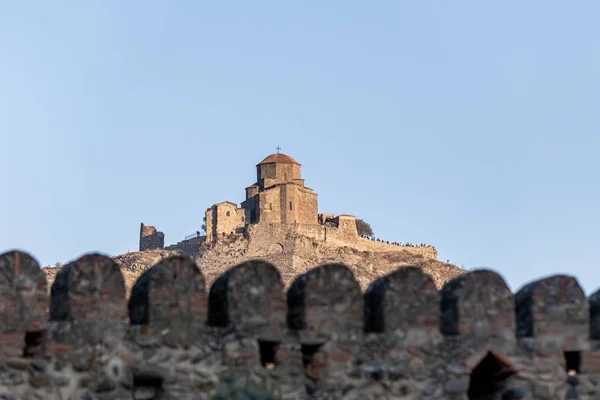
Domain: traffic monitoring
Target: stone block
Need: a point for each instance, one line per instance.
(325, 303)
(169, 301)
(241, 353)
(23, 300)
(555, 308)
(150, 238)
(405, 299)
(478, 304)
(249, 298)
(87, 303)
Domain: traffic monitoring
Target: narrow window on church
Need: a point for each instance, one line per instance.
(228, 213)
(243, 219)
(285, 176)
(270, 207)
(290, 205)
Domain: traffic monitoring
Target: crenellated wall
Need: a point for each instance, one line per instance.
(244, 337)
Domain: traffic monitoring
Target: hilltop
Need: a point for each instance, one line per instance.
(366, 265)
(279, 222)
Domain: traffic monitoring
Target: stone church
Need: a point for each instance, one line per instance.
(278, 210)
(278, 196)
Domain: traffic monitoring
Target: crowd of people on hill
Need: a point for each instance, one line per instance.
(331, 223)
(407, 244)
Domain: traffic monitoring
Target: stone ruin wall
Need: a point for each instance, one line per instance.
(306, 208)
(192, 246)
(234, 249)
(150, 238)
(228, 223)
(331, 235)
(322, 339)
(296, 253)
(294, 247)
(263, 237)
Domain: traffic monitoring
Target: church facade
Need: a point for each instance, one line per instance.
(279, 216)
(278, 196)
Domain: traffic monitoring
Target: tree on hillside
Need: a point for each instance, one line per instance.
(203, 227)
(363, 228)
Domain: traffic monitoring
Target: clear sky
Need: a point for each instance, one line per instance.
(473, 126)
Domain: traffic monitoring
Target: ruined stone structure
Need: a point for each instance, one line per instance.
(150, 238)
(280, 202)
(245, 337)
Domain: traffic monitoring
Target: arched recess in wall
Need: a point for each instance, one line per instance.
(489, 377)
(276, 248)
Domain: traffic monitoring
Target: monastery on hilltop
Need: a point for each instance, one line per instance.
(278, 210)
(278, 197)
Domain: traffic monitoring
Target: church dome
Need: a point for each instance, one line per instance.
(279, 158)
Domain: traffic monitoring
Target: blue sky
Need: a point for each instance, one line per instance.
(472, 126)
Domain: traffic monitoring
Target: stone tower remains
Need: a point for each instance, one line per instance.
(150, 238)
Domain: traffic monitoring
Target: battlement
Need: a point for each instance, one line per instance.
(175, 338)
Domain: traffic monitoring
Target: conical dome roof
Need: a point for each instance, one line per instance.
(279, 158)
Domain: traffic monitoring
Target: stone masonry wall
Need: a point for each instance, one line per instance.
(338, 237)
(270, 205)
(191, 246)
(306, 208)
(150, 238)
(210, 223)
(245, 337)
(228, 220)
(296, 253)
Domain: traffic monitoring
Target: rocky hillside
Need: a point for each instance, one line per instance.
(132, 265)
(366, 266)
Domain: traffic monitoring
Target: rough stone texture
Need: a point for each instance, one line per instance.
(300, 254)
(87, 304)
(135, 263)
(23, 300)
(545, 308)
(223, 218)
(168, 302)
(189, 247)
(406, 298)
(325, 303)
(405, 358)
(478, 303)
(250, 298)
(150, 238)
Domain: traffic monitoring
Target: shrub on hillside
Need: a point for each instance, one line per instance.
(363, 228)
